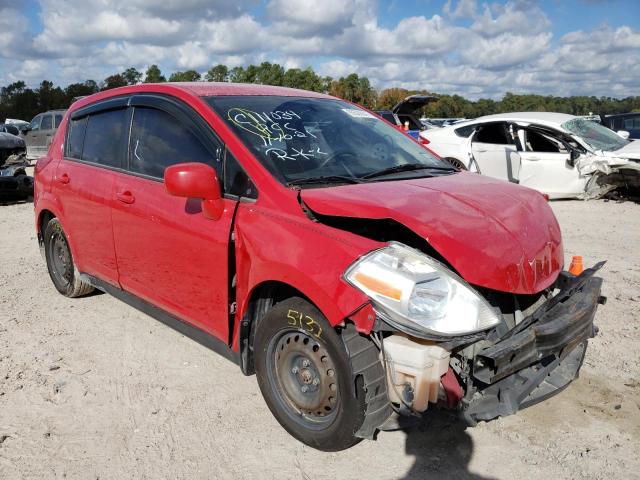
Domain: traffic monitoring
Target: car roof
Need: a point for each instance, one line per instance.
(544, 118)
(198, 89)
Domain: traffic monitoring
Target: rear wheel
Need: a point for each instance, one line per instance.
(305, 376)
(60, 264)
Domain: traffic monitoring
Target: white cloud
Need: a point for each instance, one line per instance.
(471, 49)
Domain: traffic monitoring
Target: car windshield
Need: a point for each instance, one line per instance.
(322, 141)
(594, 134)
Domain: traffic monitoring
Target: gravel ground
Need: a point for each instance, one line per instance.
(91, 388)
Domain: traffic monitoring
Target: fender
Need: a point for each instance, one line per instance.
(48, 201)
(330, 252)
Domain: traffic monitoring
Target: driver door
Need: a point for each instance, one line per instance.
(546, 167)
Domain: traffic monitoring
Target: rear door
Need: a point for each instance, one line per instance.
(94, 154)
(168, 253)
(494, 152)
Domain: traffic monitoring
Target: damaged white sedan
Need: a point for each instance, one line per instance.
(560, 155)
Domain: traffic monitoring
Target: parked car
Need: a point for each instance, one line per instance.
(559, 155)
(39, 133)
(626, 122)
(317, 246)
(14, 181)
(404, 113)
(10, 128)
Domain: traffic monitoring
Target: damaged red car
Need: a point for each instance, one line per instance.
(359, 277)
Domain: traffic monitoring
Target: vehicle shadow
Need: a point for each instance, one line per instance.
(442, 449)
(8, 200)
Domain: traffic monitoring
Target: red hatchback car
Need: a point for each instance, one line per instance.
(315, 245)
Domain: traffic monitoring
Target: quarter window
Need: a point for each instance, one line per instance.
(58, 120)
(159, 140)
(464, 131)
(236, 180)
(104, 138)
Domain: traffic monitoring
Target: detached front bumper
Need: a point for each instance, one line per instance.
(540, 356)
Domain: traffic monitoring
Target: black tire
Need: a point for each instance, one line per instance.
(62, 270)
(328, 415)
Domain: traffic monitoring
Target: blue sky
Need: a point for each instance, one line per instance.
(468, 47)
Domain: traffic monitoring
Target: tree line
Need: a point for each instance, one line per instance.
(21, 102)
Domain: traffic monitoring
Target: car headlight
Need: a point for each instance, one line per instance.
(414, 291)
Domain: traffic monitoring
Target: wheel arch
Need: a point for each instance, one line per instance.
(261, 299)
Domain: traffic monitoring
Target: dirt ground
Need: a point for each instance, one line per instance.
(91, 388)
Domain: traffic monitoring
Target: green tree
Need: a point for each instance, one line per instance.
(132, 76)
(186, 76)
(219, 73)
(355, 89)
(154, 75)
(390, 97)
(114, 81)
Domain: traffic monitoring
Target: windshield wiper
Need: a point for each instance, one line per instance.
(406, 167)
(324, 179)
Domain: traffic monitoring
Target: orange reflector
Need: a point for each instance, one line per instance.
(576, 267)
(378, 286)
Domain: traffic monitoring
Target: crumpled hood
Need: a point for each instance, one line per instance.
(631, 151)
(495, 234)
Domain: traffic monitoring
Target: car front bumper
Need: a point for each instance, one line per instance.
(540, 356)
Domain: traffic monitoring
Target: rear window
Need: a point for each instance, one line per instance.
(75, 137)
(104, 138)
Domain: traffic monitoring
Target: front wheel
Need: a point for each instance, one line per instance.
(305, 376)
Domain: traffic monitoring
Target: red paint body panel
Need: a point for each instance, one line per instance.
(171, 255)
(495, 234)
(166, 251)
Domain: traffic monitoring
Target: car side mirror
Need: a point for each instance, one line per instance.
(573, 157)
(196, 180)
(624, 134)
(25, 129)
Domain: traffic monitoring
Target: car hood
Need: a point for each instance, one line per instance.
(630, 151)
(8, 140)
(495, 234)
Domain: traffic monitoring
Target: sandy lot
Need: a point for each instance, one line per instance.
(91, 388)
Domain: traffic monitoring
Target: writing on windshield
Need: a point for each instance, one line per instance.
(297, 137)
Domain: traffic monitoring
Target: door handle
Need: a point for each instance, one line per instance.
(64, 179)
(125, 197)
(533, 157)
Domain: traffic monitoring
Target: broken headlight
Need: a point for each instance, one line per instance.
(415, 291)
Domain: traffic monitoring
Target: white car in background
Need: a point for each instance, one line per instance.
(560, 155)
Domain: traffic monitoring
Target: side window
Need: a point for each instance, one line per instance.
(75, 137)
(537, 142)
(159, 140)
(35, 123)
(47, 123)
(236, 180)
(58, 120)
(104, 138)
(493, 133)
(464, 131)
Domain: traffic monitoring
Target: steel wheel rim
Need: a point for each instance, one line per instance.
(305, 377)
(60, 256)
